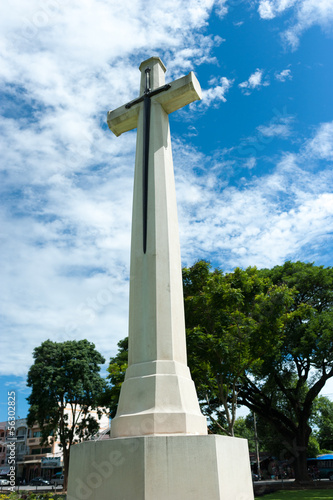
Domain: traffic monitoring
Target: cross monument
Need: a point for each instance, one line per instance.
(158, 395)
(159, 448)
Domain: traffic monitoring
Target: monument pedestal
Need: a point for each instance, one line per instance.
(161, 468)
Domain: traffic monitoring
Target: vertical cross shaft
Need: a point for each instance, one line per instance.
(158, 395)
(148, 93)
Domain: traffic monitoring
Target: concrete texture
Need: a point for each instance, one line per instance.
(161, 468)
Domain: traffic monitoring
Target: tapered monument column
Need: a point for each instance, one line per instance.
(159, 447)
(158, 395)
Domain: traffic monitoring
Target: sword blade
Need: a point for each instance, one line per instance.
(146, 134)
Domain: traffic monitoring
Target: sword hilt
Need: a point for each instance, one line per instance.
(147, 89)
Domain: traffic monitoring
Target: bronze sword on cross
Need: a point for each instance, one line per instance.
(179, 93)
(148, 93)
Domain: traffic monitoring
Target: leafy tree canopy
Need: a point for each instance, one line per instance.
(65, 375)
(322, 419)
(232, 322)
(117, 369)
(263, 339)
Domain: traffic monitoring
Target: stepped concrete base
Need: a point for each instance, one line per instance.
(161, 468)
(158, 397)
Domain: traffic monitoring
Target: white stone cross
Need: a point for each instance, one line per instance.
(158, 395)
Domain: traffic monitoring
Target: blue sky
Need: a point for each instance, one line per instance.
(253, 159)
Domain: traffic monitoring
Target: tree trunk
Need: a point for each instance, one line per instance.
(298, 452)
(66, 466)
(300, 467)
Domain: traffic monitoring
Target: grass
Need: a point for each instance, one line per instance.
(300, 494)
(30, 495)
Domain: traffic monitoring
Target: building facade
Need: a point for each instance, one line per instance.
(34, 458)
(3, 431)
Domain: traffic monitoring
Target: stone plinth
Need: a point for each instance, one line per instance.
(161, 468)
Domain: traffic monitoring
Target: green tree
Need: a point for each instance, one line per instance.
(232, 322)
(272, 443)
(117, 369)
(323, 420)
(284, 387)
(265, 338)
(313, 449)
(66, 386)
(243, 429)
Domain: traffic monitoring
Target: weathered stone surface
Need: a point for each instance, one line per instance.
(161, 468)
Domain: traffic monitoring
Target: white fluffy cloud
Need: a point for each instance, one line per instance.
(66, 180)
(321, 145)
(279, 126)
(255, 81)
(306, 13)
(268, 9)
(217, 91)
(251, 225)
(283, 75)
(221, 7)
(309, 13)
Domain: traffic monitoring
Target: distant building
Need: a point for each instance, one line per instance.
(33, 458)
(3, 429)
(31, 464)
(21, 431)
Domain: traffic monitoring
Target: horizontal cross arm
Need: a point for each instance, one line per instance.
(135, 101)
(182, 92)
(122, 119)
